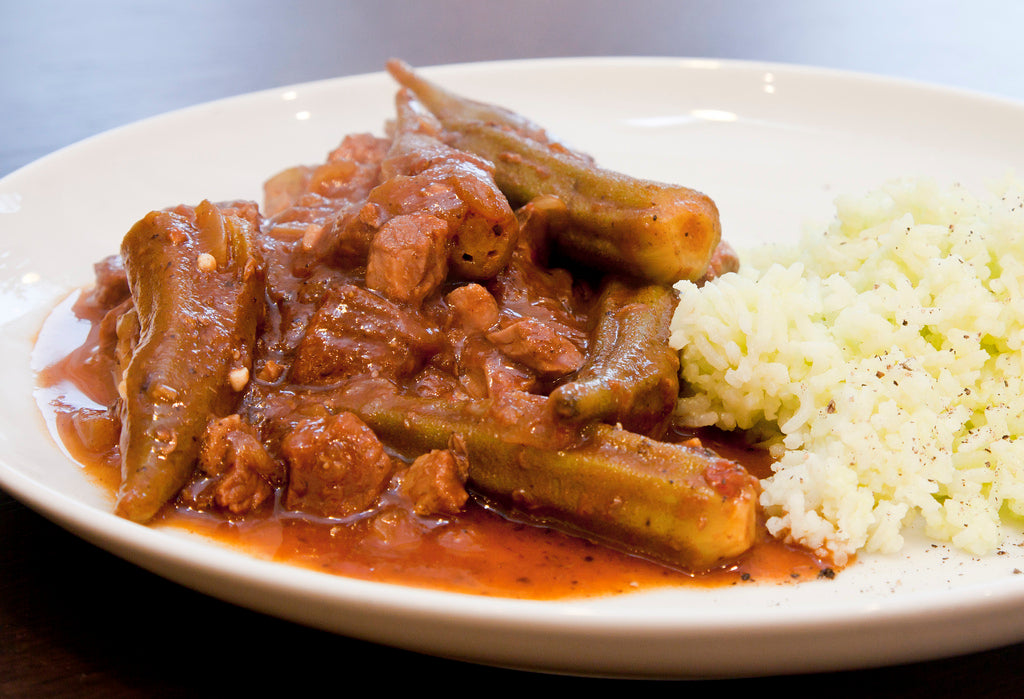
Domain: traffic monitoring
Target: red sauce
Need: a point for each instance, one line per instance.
(478, 552)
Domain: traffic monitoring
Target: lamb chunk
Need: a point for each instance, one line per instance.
(473, 308)
(484, 371)
(538, 292)
(337, 466)
(111, 286)
(350, 233)
(355, 332)
(723, 261)
(456, 186)
(398, 196)
(243, 472)
(436, 382)
(363, 148)
(435, 482)
(421, 174)
(539, 346)
(350, 171)
(408, 257)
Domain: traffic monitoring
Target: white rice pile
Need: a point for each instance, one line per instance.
(882, 361)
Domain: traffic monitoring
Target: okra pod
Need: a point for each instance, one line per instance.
(654, 231)
(631, 376)
(482, 226)
(681, 505)
(197, 286)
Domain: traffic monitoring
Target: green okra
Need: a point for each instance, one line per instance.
(631, 375)
(681, 505)
(654, 231)
(197, 286)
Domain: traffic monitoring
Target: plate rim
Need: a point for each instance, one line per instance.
(534, 613)
(440, 69)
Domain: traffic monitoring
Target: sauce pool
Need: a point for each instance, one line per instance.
(480, 551)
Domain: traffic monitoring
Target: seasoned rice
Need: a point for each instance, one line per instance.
(881, 361)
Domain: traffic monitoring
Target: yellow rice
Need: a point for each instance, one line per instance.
(881, 360)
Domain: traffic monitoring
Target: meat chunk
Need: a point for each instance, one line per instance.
(337, 466)
(423, 174)
(435, 482)
(243, 472)
(484, 371)
(474, 310)
(362, 154)
(723, 260)
(349, 172)
(539, 346)
(408, 257)
(356, 331)
(487, 336)
(314, 205)
(111, 282)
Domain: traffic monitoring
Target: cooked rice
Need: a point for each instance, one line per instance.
(882, 362)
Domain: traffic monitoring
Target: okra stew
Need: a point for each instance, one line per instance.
(438, 358)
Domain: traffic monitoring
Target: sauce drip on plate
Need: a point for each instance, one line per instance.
(479, 551)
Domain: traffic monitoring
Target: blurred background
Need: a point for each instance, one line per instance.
(71, 69)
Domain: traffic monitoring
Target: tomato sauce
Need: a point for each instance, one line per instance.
(480, 551)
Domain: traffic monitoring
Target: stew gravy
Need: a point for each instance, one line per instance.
(480, 551)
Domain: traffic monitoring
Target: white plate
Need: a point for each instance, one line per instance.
(772, 144)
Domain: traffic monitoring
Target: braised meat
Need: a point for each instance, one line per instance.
(395, 325)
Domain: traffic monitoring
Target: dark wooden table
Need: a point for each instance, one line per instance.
(68, 619)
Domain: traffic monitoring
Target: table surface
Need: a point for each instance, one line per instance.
(70, 70)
